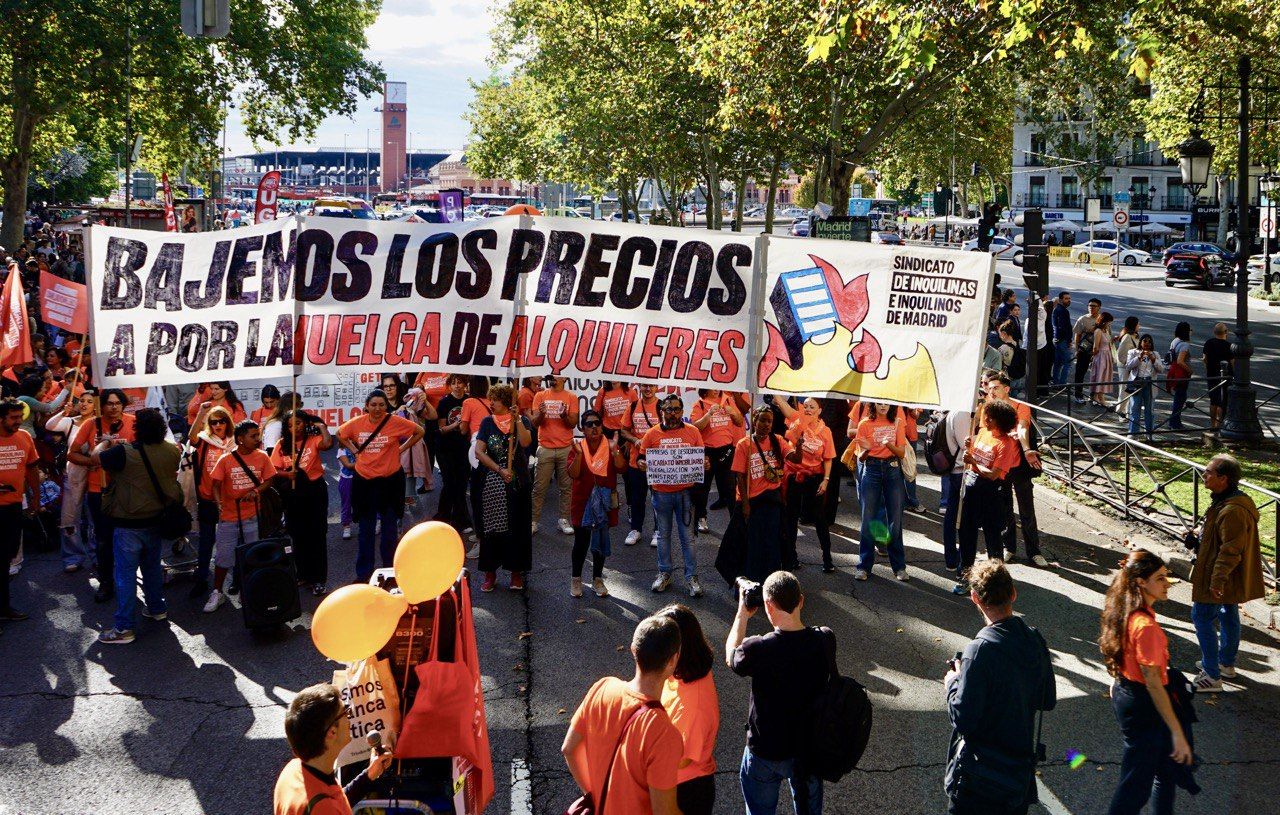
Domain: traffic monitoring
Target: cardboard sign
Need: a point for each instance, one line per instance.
(675, 466)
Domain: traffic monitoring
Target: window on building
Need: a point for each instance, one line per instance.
(1037, 198)
(1103, 190)
(1141, 195)
(1175, 194)
(1070, 192)
(1035, 157)
(1145, 153)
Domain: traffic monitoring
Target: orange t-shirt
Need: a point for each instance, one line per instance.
(686, 435)
(381, 457)
(88, 435)
(998, 453)
(231, 483)
(207, 455)
(137, 400)
(553, 433)
(17, 451)
(193, 409)
(720, 430)
(260, 415)
(648, 757)
(434, 385)
(525, 400)
(874, 434)
(308, 461)
(815, 443)
(474, 409)
(909, 422)
(1021, 408)
(613, 405)
(297, 787)
(1145, 643)
(694, 708)
(642, 416)
(745, 454)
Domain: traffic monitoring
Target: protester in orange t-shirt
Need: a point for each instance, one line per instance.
(434, 385)
(270, 398)
(594, 464)
(555, 414)
(116, 424)
(18, 477)
(626, 719)
(1021, 478)
(989, 458)
(881, 442)
(376, 440)
(720, 422)
(612, 402)
(807, 480)
(306, 505)
(239, 476)
(220, 394)
(671, 496)
(691, 701)
(759, 460)
(642, 415)
(211, 437)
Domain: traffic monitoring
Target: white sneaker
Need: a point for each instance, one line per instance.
(575, 587)
(661, 582)
(566, 527)
(1206, 684)
(902, 576)
(1227, 671)
(216, 598)
(535, 527)
(695, 587)
(14, 568)
(1040, 561)
(860, 574)
(601, 589)
(702, 525)
(653, 542)
(633, 537)
(473, 552)
(346, 533)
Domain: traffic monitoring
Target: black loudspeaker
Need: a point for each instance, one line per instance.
(268, 583)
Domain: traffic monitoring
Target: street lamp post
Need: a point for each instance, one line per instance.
(1268, 187)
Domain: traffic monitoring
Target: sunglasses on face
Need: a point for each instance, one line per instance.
(217, 421)
(592, 423)
(671, 409)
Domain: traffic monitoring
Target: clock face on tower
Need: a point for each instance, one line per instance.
(396, 93)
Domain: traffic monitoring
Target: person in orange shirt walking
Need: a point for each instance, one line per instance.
(691, 701)
(672, 502)
(555, 414)
(807, 481)
(760, 461)
(622, 749)
(990, 456)
(720, 422)
(240, 475)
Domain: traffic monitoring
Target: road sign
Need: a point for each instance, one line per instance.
(1267, 226)
(1092, 210)
(926, 202)
(859, 207)
(1121, 216)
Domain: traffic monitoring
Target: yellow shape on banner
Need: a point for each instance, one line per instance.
(911, 379)
(355, 621)
(428, 561)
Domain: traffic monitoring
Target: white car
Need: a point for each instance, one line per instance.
(794, 212)
(1255, 268)
(1001, 247)
(1106, 251)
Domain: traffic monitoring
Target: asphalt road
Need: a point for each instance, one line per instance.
(188, 719)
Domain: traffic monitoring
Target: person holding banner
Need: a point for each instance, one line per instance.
(306, 506)
(239, 476)
(758, 459)
(989, 458)
(881, 441)
(594, 464)
(555, 414)
(67, 423)
(720, 423)
(807, 481)
(612, 401)
(117, 425)
(210, 439)
(503, 524)
(671, 490)
(376, 440)
(642, 416)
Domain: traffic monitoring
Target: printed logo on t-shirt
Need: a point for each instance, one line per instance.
(984, 455)
(379, 444)
(240, 480)
(757, 466)
(811, 443)
(455, 416)
(884, 434)
(12, 458)
(553, 408)
(615, 406)
(643, 422)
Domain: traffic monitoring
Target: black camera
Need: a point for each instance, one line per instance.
(751, 592)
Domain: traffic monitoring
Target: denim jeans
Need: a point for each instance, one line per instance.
(136, 548)
(1140, 408)
(761, 777)
(881, 488)
(951, 498)
(1218, 646)
(673, 509)
(1179, 402)
(364, 548)
(1062, 357)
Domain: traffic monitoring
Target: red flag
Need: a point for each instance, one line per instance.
(64, 304)
(170, 217)
(14, 332)
(264, 208)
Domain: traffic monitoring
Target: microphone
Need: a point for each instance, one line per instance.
(374, 740)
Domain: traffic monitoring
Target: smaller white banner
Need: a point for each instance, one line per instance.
(674, 466)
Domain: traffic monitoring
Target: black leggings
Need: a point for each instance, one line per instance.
(721, 471)
(804, 505)
(307, 517)
(455, 472)
(983, 510)
(697, 796)
(581, 543)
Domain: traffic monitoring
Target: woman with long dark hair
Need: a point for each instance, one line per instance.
(222, 395)
(306, 507)
(394, 389)
(720, 423)
(691, 701)
(273, 424)
(1180, 355)
(1154, 715)
(502, 483)
(808, 480)
(881, 440)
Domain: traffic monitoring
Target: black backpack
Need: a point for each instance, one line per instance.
(1018, 365)
(839, 722)
(938, 456)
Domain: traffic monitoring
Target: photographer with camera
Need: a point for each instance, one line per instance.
(995, 688)
(306, 507)
(789, 668)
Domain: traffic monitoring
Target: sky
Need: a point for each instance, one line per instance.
(434, 45)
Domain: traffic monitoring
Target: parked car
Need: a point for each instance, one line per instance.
(1202, 268)
(755, 211)
(1255, 268)
(1001, 247)
(563, 212)
(1106, 251)
(344, 207)
(886, 238)
(799, 228)
(793, 212)
(1195, 246)
(631, 216)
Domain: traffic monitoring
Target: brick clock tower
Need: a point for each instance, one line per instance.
(394, 134)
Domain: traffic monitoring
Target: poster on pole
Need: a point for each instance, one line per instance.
(172, 308)
(674, 466)
(896, 324)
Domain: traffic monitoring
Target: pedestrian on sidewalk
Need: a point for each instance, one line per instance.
(1062, 344)
(1218, 372)
(1228, 572)
(1021, 478)
(555, 414)
(1128, 340)
(990, 456)
(1102, 368)
(594, 464)
(1141, 367)
(995, 690)
(1044, 348)
(789, 667)
(1154, 714)
(1082, 338)
(621, 740)
(691, 701)
(673, 502)
(1179, 362)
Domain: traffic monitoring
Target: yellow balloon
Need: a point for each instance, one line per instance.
(355, 621)
(428, 561)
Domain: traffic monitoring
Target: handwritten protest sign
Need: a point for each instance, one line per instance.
(674, 466)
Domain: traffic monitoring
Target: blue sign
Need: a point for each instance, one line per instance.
(1121, 197)
(859, 206)
(1053, 216)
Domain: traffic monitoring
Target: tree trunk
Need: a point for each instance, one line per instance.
(841, 179)
(773, 191)
(1224, 216)
(739, 192)
(14, 171)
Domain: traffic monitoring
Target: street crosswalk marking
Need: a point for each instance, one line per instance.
(1050, 801)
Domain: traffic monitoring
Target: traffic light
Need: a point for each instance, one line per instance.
(987, 225)
(1034, 257)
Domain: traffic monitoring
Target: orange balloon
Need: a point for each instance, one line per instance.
(522, 209)
(355, 621)
(428, 561)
